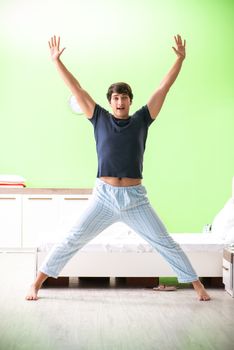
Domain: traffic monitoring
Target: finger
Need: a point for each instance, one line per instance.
(175, 49)
(184, 43)
(54, 40)
(179, 39)
(62, 50)
(58, 42)
(175, 40)
(49, 44)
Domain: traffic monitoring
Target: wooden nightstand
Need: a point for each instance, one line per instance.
(228, 271)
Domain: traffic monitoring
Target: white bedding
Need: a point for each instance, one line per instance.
(120, 238)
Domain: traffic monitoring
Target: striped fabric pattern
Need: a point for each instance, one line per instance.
(110, 204)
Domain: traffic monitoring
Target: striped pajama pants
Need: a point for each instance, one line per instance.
(110, 204)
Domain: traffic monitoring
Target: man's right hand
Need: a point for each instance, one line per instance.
(87, 104)
(54, 48)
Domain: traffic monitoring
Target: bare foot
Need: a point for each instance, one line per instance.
(32, 293)
(200, 289)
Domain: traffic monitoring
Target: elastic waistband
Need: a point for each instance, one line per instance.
(103, 183)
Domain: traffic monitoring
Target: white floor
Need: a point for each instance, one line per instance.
(106, 318)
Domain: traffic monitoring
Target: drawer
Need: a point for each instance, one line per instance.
(227, 274)
(17, 267)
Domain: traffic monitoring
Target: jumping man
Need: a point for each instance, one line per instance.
(118, 194)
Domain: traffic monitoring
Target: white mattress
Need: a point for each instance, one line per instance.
(119, 238)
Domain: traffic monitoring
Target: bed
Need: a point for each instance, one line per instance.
(120, 252)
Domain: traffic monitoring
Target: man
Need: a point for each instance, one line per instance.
(118, 194)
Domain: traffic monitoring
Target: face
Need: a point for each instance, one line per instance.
(120, 104)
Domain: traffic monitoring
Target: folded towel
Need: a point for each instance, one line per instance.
(12, 180)
(5, 178)
(11, 185)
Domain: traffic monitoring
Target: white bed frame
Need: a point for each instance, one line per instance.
(131, 264)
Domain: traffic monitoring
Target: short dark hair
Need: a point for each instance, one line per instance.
(119, 88)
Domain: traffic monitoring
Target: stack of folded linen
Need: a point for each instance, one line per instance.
(12, 181)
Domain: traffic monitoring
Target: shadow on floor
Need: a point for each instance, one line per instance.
(126, 282)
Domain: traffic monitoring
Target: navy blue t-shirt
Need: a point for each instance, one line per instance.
(120, 143)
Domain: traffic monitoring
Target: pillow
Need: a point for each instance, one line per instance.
(230, 236)
(224, 220)
(233, 188)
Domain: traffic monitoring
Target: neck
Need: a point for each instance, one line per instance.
(121, 118)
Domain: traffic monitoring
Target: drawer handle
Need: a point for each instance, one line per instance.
(225, 268)
(8, 198)
(75, 199)
(40, 199)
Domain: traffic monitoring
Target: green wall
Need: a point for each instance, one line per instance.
(190, 150)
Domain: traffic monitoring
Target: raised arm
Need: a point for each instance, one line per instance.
(87, 104)
(157, 99)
